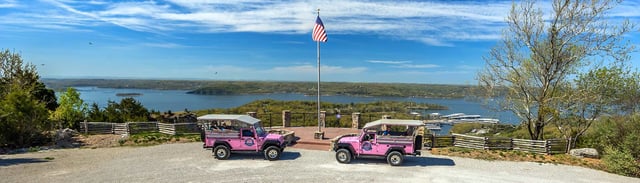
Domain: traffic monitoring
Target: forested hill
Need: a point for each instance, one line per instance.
(203, 87)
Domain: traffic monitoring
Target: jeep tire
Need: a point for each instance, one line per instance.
(221, 152)
(343, 156)
(395, 158)
(272, 153)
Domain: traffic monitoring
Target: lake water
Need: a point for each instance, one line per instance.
(178, 100)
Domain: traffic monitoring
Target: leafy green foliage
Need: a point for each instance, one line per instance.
(23, 117)
(24, 102)
(521, 132)
(71, 110)
(541, 51)
(602, 91)
(95, 113)
(620, 133)
(621, 162)
(128, 110)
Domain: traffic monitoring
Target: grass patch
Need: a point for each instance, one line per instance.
(48, 158)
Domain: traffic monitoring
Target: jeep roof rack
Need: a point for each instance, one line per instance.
(237, 117)
(393, 122)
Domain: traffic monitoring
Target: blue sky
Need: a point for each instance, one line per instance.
(437, 42)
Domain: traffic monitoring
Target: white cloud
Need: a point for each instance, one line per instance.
(8, 3)
(416, 66)
(387, 62)
(403, 64)
(163, 45)
(438, 23)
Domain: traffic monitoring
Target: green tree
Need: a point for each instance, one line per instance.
(598, 92)
(128, 110)
(23, 117)
(14, 70)
(112, 112)
(24, 101)
(539, 52)
(71, 110)
(132, 110)
(96, 114)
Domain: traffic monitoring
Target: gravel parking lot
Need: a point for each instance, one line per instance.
(190, 163)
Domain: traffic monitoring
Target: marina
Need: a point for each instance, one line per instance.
(440, 124)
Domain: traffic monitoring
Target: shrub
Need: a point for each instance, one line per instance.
(615, 132)
(621, 162)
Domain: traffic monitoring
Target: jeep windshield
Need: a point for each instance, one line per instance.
(259, 130)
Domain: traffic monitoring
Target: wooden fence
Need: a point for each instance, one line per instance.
(552, 146)
(137, 127)
(178, 128)
(97, 127)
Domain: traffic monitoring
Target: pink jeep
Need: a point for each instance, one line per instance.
(389, 138)
(239, 133)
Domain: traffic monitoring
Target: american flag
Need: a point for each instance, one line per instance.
(318, 31)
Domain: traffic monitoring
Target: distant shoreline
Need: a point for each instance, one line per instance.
(128, 94)
(265, 87)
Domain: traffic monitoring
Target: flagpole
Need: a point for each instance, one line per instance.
(318, 48)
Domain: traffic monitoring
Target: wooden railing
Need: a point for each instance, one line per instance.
(137, 127)
(97, 127)
(178, 128)
(552, 146)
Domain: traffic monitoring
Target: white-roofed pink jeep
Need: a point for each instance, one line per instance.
(388, 138)
(227, 134)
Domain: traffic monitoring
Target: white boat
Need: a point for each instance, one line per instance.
(464, 118)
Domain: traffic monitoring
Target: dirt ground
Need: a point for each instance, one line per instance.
(99, 141)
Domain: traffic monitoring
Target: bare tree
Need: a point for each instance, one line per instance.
(541, 50)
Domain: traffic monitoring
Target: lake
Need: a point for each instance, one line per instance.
(179, 100)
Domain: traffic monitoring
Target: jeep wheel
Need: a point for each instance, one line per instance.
(221, 152)
(343, 156)
(395, 158)
(272, 153)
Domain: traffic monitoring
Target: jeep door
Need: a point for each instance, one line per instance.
(369, 145)
(248, 140)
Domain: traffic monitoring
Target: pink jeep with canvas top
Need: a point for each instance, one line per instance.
(389, 138)
(227, 133)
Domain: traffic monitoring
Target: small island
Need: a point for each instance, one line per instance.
(128, 94)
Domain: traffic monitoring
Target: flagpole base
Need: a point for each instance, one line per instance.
(318, 135)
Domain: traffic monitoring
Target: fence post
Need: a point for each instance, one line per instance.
(355, 120)
(323, 118)
(286, 118)
(453, 140)
(486, 143)
(433, 140)
(511, 146)
(547, 146)
(568, 145)
(86, 130)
